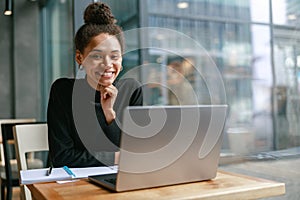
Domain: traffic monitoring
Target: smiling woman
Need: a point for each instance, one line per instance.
(83, 114)
(103, 62)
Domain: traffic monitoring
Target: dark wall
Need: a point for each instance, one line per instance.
(5, 63)
(20, 77)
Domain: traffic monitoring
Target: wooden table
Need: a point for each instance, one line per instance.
(224, 186)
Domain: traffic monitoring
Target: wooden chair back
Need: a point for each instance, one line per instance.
(29, 138)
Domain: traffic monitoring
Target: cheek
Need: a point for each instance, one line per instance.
(118, 64)
(88, 63)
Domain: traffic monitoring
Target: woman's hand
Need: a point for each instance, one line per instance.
(108, 98)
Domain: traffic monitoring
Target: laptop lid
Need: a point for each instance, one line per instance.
(166, 145)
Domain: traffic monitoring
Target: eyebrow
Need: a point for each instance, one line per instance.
(99, 50)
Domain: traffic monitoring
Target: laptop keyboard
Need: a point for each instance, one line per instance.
(111, 180)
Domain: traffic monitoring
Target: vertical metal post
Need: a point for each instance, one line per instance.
(273, 90)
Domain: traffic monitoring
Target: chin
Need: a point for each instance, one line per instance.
(106, 82)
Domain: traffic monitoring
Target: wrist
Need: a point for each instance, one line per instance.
(110, 115)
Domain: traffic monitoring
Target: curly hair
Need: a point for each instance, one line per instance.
(98, 19)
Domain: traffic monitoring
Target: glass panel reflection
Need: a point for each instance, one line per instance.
(259, 62)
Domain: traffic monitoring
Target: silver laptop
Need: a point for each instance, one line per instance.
(166, 145)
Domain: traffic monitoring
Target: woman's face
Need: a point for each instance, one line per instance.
(102, 60)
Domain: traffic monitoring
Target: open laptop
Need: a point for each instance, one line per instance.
(166, 145)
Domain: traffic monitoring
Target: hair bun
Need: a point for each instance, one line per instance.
(98, 13)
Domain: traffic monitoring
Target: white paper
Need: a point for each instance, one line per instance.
(89, 171)
(59, 174)
(40, 175)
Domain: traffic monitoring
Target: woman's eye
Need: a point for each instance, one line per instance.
(95, 56)
(115, 57)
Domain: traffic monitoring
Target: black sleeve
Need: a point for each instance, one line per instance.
(65, 147)
(112, 130)
(132, 95)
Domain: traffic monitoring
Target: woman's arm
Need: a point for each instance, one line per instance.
(65, 147)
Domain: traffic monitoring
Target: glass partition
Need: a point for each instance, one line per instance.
(286, 12)
(253, 44)
(57, 44)
(239, 49)
(287, 93)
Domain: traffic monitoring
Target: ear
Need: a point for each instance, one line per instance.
(78, 57)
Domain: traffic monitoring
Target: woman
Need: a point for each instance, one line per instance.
(83, 114)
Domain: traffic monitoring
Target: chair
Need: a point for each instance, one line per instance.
(9, 171)
(29, 138)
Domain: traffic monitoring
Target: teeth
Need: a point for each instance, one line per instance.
(106, 73)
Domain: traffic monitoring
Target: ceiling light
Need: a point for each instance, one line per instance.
(8, 7)
(7, 12)
(183, 5)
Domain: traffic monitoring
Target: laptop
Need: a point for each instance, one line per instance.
(167, 145)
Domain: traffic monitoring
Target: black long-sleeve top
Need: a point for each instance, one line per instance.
(77, 130)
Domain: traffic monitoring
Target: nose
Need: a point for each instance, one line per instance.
(107, 62)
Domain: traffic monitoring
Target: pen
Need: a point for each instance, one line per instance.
(49, 171)
(67, 169)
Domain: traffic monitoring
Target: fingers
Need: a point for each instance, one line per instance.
(108, 91)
